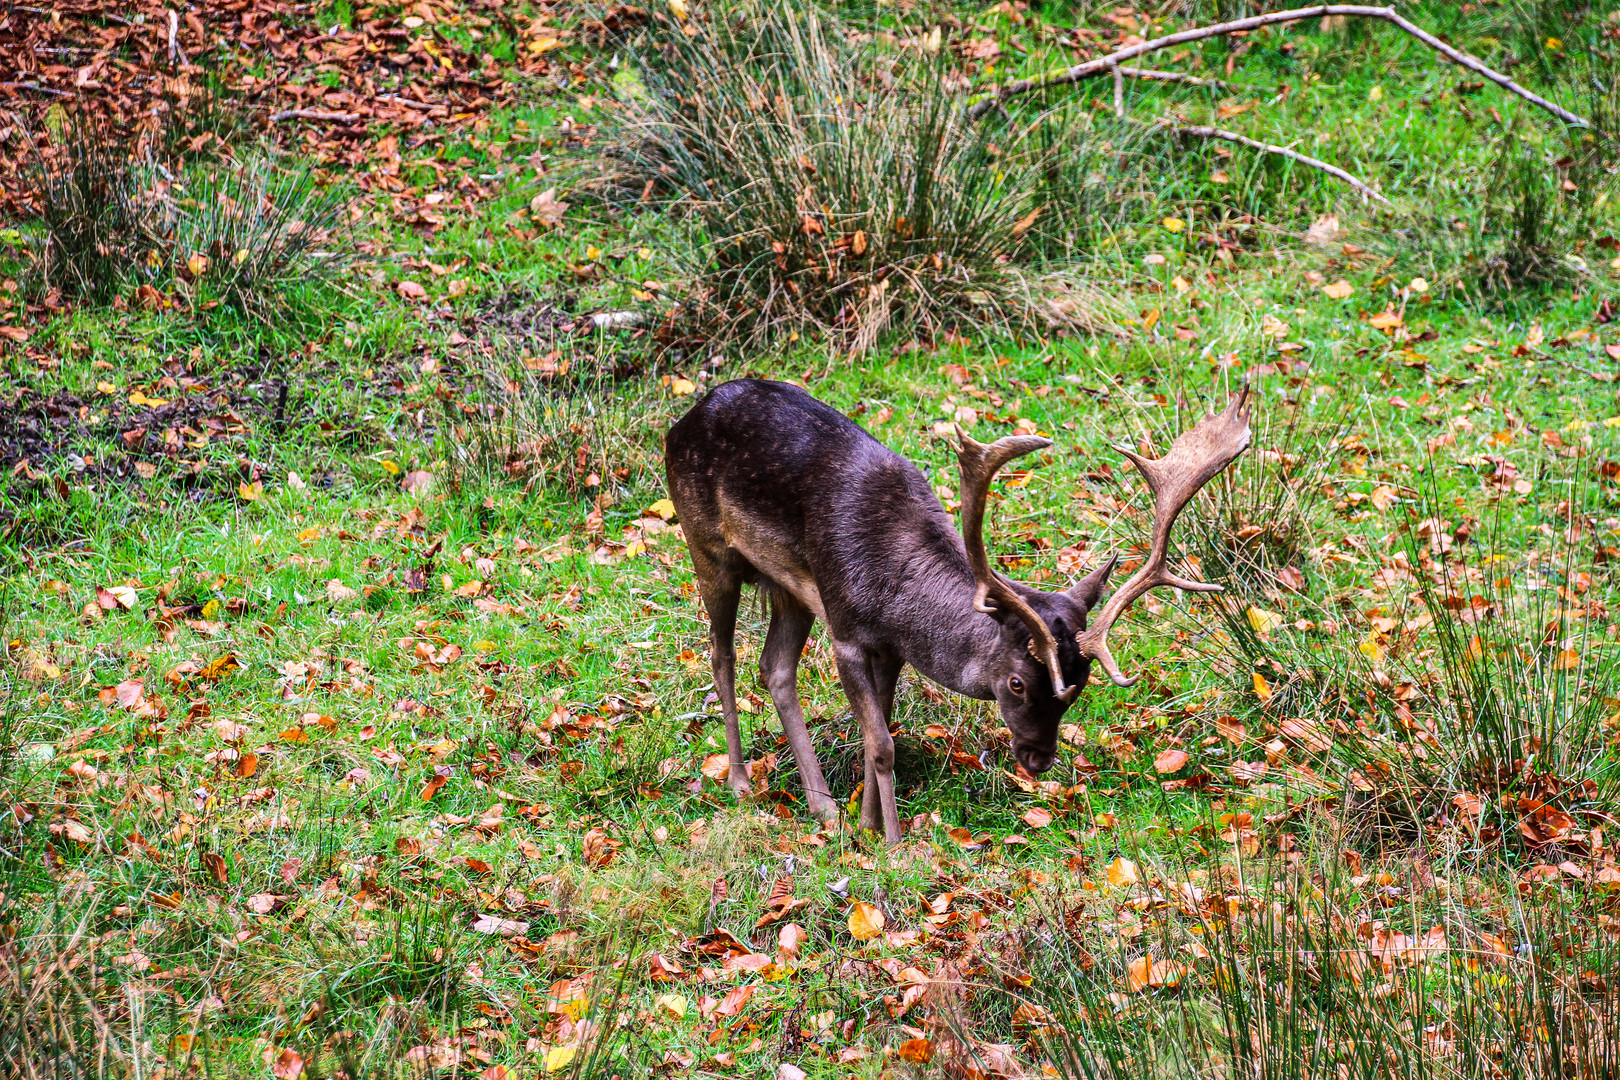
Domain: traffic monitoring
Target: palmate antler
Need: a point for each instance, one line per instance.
(979, 464)
(1195, 458)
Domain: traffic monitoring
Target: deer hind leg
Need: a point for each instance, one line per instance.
(861, 673)
(721, 589)
(779, 670)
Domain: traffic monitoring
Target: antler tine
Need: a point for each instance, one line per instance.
(1197, 456)
(979, 464)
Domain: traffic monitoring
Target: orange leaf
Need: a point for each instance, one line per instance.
(1037, 817)
(1170, 761)
(865, 921)
(917, 1051)
(1122, 872)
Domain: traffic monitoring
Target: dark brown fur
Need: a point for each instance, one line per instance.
(775, 488)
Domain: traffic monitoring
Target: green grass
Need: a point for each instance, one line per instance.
(327, 901)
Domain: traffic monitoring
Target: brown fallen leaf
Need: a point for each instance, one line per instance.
(1169, 761)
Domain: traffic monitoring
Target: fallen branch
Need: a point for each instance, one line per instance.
(1154, 75)
(409, 103)
(1107, 64)
(313, 114)
(1272, 148)
(34, 86)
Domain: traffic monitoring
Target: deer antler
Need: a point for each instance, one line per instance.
(979, 464)
(1195, 458)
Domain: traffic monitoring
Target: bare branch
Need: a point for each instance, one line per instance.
(1154, 75)
(1104, 64)
(1271, 148)
(313, 114)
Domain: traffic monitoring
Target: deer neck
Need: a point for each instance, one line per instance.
(947, 639)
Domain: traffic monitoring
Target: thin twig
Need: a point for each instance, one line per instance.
(313, 114)
(398, 100)
(1271, 148)
(1155, 75)
(1093, 68)
(35, 86)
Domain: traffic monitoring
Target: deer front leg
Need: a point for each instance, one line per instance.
(779, 669)
(856, 672)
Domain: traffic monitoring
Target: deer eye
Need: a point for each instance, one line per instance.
(1015, 684)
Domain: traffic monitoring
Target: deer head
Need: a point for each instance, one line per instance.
(1047, 645)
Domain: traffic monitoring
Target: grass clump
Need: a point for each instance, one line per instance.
(175, 218)
(835, 185)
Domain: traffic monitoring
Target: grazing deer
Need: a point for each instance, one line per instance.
(775, 488)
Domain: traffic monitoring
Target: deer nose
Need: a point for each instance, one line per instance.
(1036, 762)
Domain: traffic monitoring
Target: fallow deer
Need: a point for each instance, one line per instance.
(775, 488)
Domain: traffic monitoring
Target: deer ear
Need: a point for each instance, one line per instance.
(1088, 590)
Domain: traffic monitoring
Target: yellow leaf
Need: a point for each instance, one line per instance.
(1122, 872)
(1338, 290)
(1476, 648)
(1418, 285)
(559, 1058)
(1371, 648)
(865, 921)
(681, 387)
(678, 9)
(1567, 659)
(545, 44)
(1262, 689)
(663, 508)
(1263, 620)
(675, 1004)
(250, 492)
(390, 468)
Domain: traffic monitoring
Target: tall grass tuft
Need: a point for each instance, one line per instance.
(120, 208)
(835, 186)
(1260, 969)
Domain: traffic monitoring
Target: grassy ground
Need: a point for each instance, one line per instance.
(357, 714)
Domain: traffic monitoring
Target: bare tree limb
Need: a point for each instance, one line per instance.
(1104, 64)
(1271, 148)
(313, 114)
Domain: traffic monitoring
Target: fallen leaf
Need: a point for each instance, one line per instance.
(1338, 290)
(1122, 872)
(1169, 761)
(499, 927)
(916, 1051)
(288, 1066)
(559, 1058)
(1037, 817)
(865, 921)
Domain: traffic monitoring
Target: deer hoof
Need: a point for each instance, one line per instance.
(825, 810)
(743, 789)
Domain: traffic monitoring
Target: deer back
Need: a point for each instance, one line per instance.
(810, 500)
